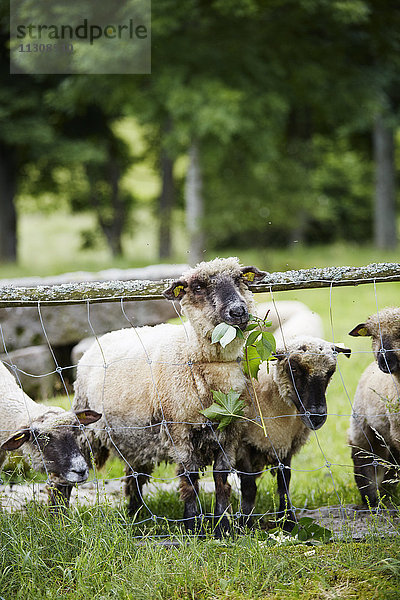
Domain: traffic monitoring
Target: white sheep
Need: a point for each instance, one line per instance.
(151, 383)
(290, 318)
(292, 402)
(44, 433)
(374, 433)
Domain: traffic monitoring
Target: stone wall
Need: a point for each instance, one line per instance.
(27, 334)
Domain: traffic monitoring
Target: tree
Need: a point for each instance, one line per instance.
(385, 230)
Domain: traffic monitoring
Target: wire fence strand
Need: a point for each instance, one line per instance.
(123, 292)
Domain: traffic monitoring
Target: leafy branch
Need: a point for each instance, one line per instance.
(225, 408)
(259, 346)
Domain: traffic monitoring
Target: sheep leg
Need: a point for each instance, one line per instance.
(189, 492)
(133, 487)
(248, 488)
(367, 475)
(222, 494)
(391, 476)
(285, 506)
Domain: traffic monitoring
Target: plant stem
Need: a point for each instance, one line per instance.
(255, 395)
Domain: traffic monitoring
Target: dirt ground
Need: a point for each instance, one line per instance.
(344, 521)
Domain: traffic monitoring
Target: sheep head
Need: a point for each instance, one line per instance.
(303, 372)
(384, 329)
(52, 444)
(215, 292)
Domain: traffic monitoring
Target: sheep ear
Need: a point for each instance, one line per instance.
(16, 440)
(360, 330)
(251, 274)
(279, 355)
(176, 291)
(86, 417)
(346, 351)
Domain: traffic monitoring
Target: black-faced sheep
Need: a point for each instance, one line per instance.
(292, 402)
(150, 383)
(375, 422)
(45, 433)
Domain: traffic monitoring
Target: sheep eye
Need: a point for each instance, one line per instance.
(197, 288)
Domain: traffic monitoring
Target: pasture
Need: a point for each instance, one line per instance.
(98, 551)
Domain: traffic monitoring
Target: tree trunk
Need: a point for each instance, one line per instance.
(111, 213)
(194, 207)
(8, 218)
(114, 229)
(385, 233)
(166, 203)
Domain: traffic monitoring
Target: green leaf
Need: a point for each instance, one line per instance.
(219, 332)
(229, 336)
(225, 408)
(225, 334)
(251, 326)
(253, 360)
(307, 530)
(303, 535)
(269, 341)
(252, 337)
(305, 521)
(263, 352)
(239, 333)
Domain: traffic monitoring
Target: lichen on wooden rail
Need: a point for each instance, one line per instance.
(114, 291)
(329, 276)
(76, 293)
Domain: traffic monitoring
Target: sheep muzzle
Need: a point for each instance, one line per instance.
(313, 420)
(387, 360)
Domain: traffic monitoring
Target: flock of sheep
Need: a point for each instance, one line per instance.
(140, 393)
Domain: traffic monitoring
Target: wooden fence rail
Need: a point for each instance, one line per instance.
(114, 291)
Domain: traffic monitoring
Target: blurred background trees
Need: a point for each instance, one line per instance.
(269, 123)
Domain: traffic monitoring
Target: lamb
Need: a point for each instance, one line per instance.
(46, 434)
(151, 383)
(290, 318)
(292, 402)
(374, 433)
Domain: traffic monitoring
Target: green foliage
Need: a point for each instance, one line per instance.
(225, 408)
(224, 334)
(307, 530)
(271, 133)
(259, 346)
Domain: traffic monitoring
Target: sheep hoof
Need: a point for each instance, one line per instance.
(286, 521)
(288, 525)
(222, 526)
(245, 523)
(195, 525)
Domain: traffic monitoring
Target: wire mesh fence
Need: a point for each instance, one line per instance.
(151, 403)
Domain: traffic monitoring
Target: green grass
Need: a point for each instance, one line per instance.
(95, 554)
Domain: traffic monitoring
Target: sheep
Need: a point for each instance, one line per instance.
(151, 383)
(292, 402)
(45, 433)
(374, 434)
(290, 318)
